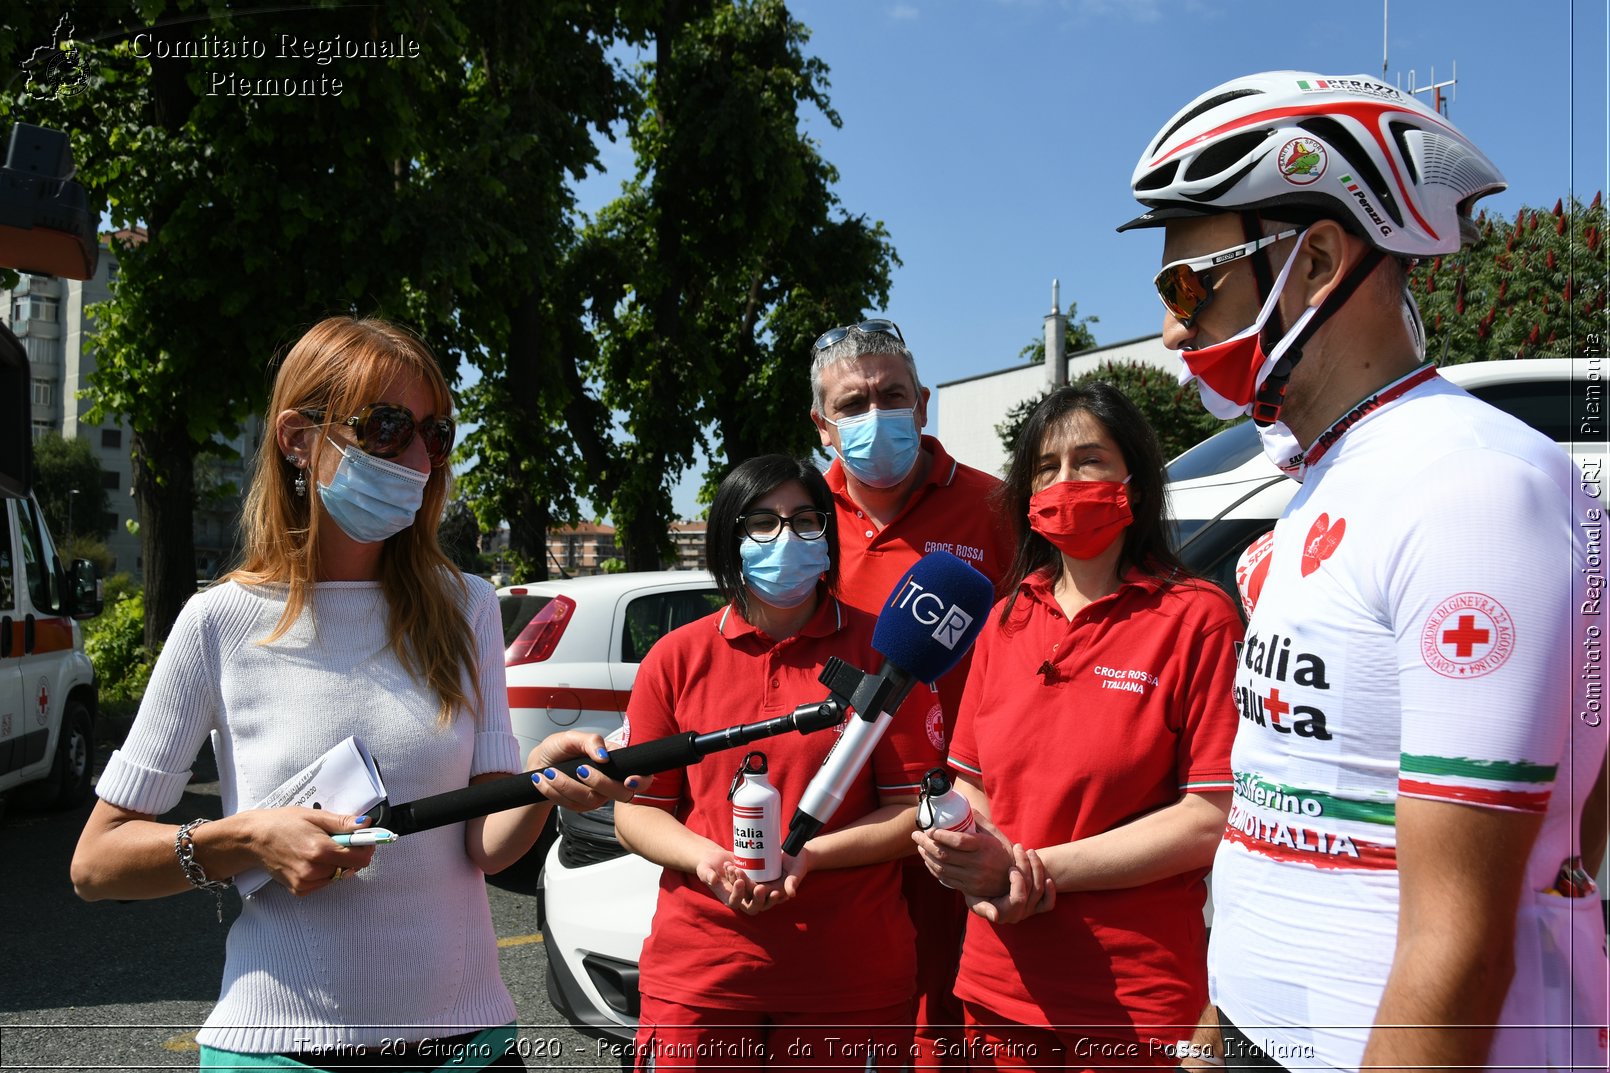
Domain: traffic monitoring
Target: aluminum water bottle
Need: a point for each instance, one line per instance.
(941, 807)
(757, 815)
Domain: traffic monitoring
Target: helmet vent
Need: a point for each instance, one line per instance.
(1206, 106)
(1222, 156)
(1445, 162)
(1211, 197)
(1159, 178)
(1356, 160)
(1399, 135)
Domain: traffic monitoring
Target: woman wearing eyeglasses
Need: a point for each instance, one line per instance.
(1094, 734)
(345, 619)
(816, 968)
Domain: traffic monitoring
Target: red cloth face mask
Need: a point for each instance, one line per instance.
(1229, 374)
(1081, 519)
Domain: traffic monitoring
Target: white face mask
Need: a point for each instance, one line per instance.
(370, 498)
(1280, 446)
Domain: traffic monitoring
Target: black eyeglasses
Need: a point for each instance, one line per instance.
(385, 430)
(866, 327)
(764, 526)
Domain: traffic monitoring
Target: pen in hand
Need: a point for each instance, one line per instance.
(369, 836)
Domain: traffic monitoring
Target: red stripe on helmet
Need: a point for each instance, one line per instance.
(1367, 114)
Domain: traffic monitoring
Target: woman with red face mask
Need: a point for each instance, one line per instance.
(1093, 743)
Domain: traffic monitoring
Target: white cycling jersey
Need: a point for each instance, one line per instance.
(1425, 623)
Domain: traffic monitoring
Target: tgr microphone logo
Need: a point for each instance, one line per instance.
(950, 622)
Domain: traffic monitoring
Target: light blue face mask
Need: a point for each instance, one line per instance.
(879, 447)
(783, 572)
(370, 498)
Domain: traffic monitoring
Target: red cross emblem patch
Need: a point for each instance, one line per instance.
(1467, 635)
(44, 701)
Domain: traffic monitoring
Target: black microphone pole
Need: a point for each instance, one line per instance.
(661, 754)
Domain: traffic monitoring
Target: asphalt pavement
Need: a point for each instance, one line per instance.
(125, 986)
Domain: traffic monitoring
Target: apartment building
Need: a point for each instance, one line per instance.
(51, 317)
(48, 316)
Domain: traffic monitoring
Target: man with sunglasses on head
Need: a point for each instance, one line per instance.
(898, 496)
(1403, 881)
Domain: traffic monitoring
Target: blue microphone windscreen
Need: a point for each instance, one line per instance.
(933, 615)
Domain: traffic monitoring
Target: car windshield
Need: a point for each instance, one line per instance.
(518, 611)
(1545, 405)
(1219, 453)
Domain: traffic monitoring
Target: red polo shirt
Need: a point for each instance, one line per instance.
(1076, 728)
(954, 510)
(844, 942)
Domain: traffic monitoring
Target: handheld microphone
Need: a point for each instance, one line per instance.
(647, 758)
(930, 620)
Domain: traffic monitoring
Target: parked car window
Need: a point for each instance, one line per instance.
(1214, 554)
(8, 595)
(44, 587)
(648, 618)
(1219, 453)
(518, 611)
(1544, 406)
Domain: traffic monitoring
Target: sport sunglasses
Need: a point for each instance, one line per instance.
(385, 430)
(866, 327)
(1186, 288)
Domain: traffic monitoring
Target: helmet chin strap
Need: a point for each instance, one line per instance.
(1271, 397)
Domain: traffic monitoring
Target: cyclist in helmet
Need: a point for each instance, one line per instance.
(1419, 776)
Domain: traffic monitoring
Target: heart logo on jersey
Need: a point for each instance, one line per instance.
(1322, 540)
(1252, 570)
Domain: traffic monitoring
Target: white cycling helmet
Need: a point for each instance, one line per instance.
(1352, 148)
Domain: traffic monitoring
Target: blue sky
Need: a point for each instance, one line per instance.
(995, 138)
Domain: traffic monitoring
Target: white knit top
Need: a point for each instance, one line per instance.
(405, 949)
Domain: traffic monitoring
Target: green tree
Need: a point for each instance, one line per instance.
(1531, 287)
(115, 644)
(460, 537)
(726, 254)
(1078, 337)
(248, 217)
(1173, 410)
(542, 87)
(69, 487)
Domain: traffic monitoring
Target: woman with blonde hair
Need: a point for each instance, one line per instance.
(345, 619)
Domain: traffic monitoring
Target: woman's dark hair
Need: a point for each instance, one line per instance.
(1146, 545)
(748, 481)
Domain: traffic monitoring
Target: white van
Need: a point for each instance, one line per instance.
(47, 686)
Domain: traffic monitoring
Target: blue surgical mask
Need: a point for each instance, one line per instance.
(785, 571)
(879, 447)
(370, 498)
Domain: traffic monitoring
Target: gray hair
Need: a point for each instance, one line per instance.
(853, 345)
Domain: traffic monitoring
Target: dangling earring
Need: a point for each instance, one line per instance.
(300, 484)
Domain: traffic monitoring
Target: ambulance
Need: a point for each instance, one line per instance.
(47, 686)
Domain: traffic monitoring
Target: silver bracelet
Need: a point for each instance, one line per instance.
(184, 847)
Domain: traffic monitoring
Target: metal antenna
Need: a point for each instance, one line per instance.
(1383, 38)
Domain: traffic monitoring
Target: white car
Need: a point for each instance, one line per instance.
(1225, 494)
(573, 646)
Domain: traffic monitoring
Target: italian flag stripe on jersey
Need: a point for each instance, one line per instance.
(1513, 784)
(1280, 797)
(1297, 844)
